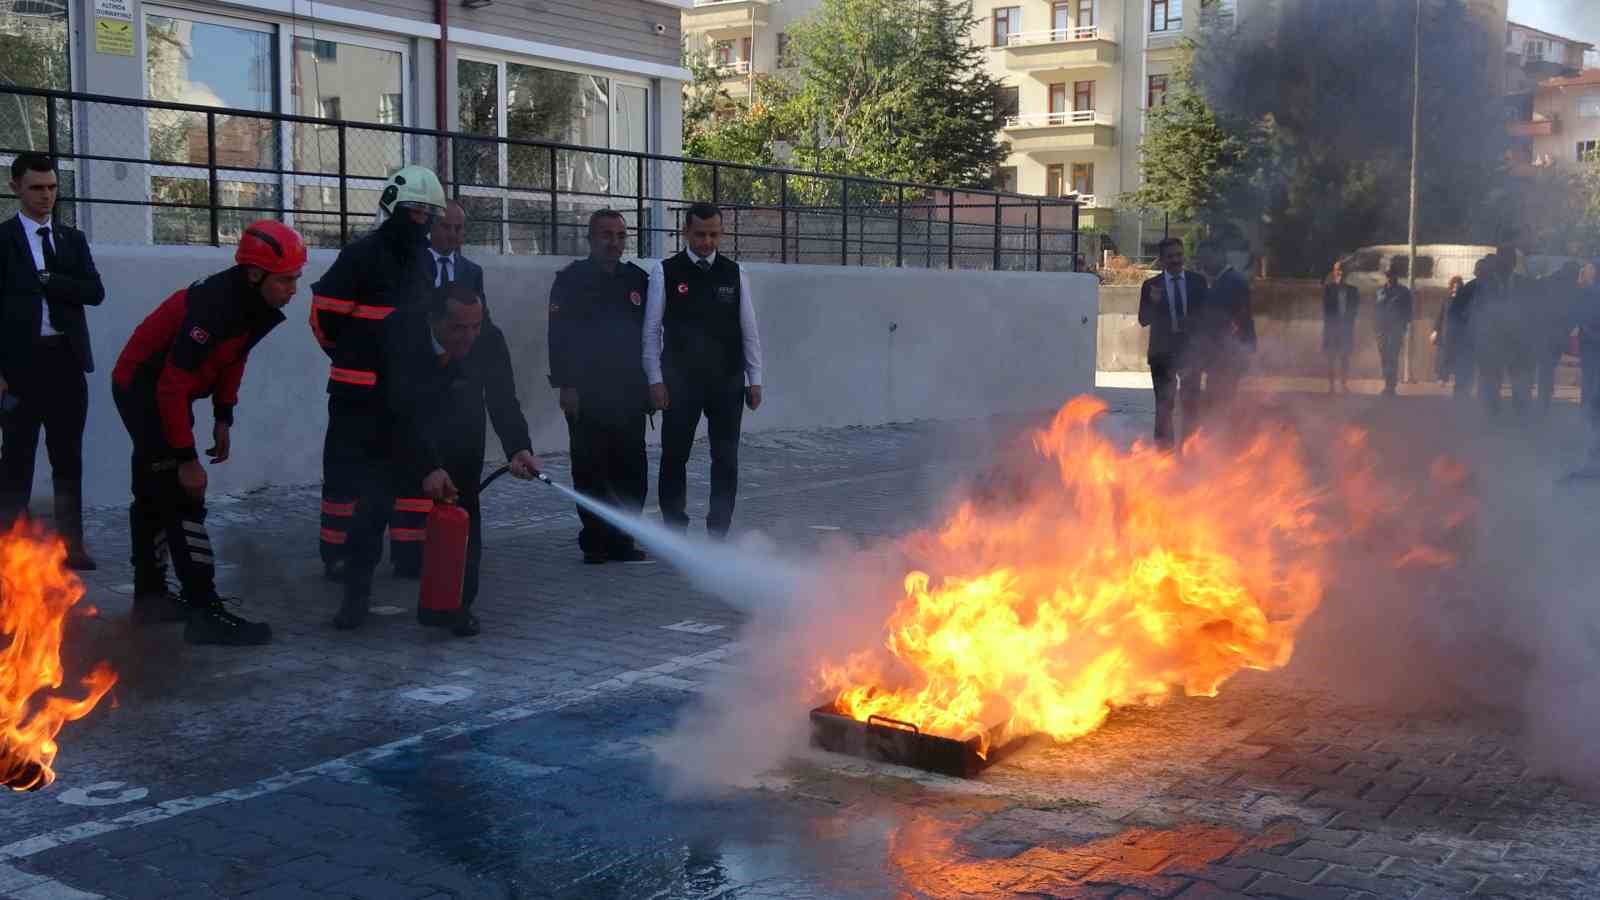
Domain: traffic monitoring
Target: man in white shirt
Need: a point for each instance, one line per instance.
(47, 280)
(702, 355)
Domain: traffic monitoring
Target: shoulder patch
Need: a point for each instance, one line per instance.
(199, 335)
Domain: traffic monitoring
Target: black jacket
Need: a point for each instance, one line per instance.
(467, 272)
(596, 331)
(1156, 314)
(381, 272)
(439, 409)
(74, 286)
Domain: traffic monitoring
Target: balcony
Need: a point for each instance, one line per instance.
(725, 18)
(1538, 126)
(1073, 130)
(1049, 54)
(736, 69)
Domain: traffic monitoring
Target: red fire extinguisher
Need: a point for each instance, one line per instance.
(444, 556)
(444, 562)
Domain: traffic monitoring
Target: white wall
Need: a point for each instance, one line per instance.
(966, 344)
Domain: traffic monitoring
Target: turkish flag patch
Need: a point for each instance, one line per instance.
(683, 287)
(198, 335)
(635, 298)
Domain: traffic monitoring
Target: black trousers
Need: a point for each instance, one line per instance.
(1464, 369)
(164, 519)
(355, 445)
(1389, 347)
(608, 464)
(375, 498)
(1549, 361)
(720, 398)
(1175, 384)
(52, 394)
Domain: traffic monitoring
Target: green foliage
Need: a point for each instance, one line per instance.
(1193, 164)
(890, 89)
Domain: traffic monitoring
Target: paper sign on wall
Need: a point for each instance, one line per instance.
(113, 37)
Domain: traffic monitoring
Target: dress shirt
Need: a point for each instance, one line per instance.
(444, 267)
(36, 244)
(1175, 297)
(655, 309)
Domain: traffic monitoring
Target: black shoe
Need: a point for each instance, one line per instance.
(158, 607)
(629, 555)
(409, 573)
(352, 613)
(213, 624)
(435, 618)
(334, 571)
(466, 624)
(594, 557)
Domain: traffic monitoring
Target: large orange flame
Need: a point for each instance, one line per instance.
(37, 593)
(1126, 575)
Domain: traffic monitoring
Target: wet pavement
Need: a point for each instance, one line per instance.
(401, 763)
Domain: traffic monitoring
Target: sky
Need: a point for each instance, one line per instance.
(1569, 18)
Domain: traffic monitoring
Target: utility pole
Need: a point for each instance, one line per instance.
(1416, 143)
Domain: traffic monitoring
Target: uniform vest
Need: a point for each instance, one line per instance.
(701, 316)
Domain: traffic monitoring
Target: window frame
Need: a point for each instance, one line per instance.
(1012, 16)
(1080, 90)
(1168, 23)
(500, 60)
(1057, 89)
(1061, 20)
(1055, 174)
(1087, 170)
(1090, 6)
(1165, 79)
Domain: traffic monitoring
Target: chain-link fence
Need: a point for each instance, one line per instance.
(138, 171)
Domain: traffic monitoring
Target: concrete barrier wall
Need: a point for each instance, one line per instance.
(843, 346)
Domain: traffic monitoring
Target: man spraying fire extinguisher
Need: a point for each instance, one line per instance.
(449, 369)
(194, 345)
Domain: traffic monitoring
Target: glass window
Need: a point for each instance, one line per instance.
(1589, 106)
(1083, 178)
(1083, 96)
(478, 112)
(1060, 20)
(563, 107)
(1156, 93)
(334, 80)
(33, 53)
(1166, 15)
(1007, 21)
(1058, 99)
(1085, 13)
(1010, 101)
(206, 63)
(1054, 179)
(783, 50)
(1006, 179)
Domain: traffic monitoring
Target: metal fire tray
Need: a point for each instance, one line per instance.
(901, 743)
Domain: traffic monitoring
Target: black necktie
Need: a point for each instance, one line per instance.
(49, 249)
(49, 266)
(704, 264)
(449, 270)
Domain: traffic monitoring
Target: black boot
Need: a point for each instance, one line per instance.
(466, 624)
(352, 613)
(69, 523)
(158, 607)
(211, 623)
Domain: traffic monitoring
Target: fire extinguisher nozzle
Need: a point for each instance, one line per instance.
(543, 477)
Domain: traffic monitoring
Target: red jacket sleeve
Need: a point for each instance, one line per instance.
(226, 396)
(180, 382)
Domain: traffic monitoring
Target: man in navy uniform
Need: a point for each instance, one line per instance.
(596, 326)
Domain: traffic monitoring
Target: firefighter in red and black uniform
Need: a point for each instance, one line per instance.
(194, 345)
(381, 272)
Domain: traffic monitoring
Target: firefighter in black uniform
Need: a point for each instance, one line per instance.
(381, 272)
(702, 355)
(194, 345)
(447, 365)
(596, 325)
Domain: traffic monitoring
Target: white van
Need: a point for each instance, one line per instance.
(1436, 264)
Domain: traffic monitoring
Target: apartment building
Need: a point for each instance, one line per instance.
(743, 38)
(602, 73)
(1552, 102)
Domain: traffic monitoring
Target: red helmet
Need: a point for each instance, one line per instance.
(273, 246)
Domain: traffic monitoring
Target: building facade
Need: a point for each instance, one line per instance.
(602, 73)
(743, 38)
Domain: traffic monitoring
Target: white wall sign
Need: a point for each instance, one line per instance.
(114, 9)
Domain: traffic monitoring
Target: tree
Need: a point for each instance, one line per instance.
(887, 89)
(1191, 164)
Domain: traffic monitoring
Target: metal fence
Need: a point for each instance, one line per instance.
(140, 171)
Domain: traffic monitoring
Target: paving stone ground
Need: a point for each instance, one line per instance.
(401, 763)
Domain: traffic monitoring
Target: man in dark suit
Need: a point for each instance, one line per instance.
(47, 277)
(408, 525)
(1230, 325)
(1172, 305)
